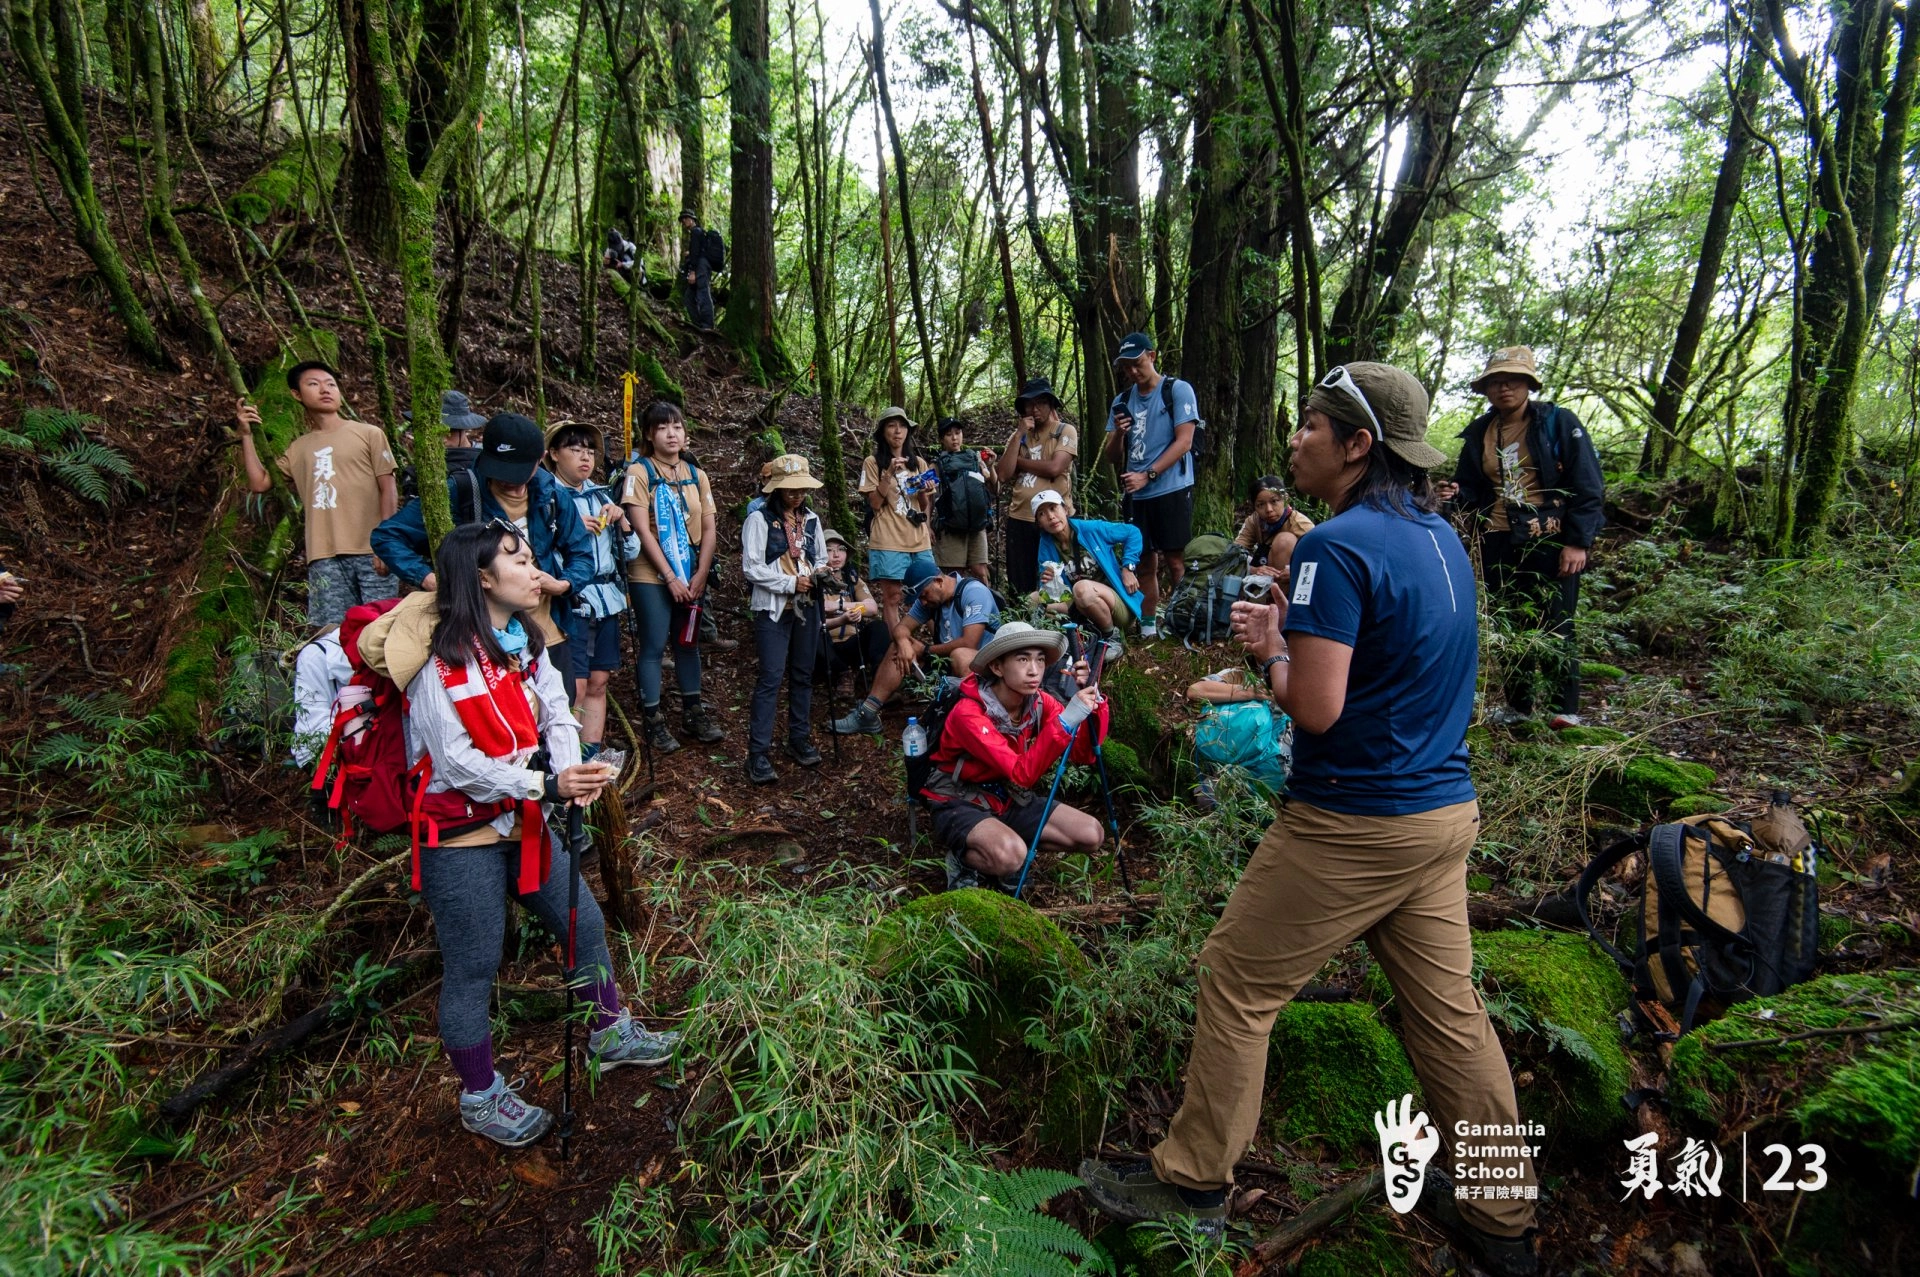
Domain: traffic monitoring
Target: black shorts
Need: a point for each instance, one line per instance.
(953, 821)
(596, 644)
(1165, 523)
(1023, 557)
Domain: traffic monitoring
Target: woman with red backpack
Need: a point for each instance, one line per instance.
(487, 719)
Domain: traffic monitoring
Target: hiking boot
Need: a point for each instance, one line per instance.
(1500, 1256)
(625, 1042)
(861, 718)
(700, 725)
(710, 631)
(960, 874)
(1561, 722)
(760, 771)
(502, 1116)
(1130, 1191)
(1507, 716)
(1116, 644)
(801, 750)
(660, 737)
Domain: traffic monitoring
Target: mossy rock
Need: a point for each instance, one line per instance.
(1589, 735)
(1133, 701)
(1012, 949)
(1600, 670)
(1571, 994)
(1697, 805)
(1857, 1090)
(1333, 1064)
(1123, 767)
(289, 184)
(1648, 783)
(658, 377)
(1835, 927)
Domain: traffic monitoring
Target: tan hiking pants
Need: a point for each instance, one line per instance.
(1318, 881)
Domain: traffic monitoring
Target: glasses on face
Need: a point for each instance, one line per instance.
(1338, 378)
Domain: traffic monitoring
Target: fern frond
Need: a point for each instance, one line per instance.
(106, 712)
(49, 426)
(11, 442)
(1029, 1188)
(90, 470)
(63, 749)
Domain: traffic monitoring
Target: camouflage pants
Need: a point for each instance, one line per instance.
(336, 584)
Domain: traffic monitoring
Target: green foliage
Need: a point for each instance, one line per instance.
(1331, 1067)
(1559, 998)
(991, 1224)
(1648, 782)
(57, 442)
(1368, 1245)
(124, 759)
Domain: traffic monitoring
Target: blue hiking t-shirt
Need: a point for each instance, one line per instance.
(1400, 592)
(972, 604)
(1152, 434)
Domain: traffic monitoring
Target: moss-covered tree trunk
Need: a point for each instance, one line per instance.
(748, 322)
(67, 149)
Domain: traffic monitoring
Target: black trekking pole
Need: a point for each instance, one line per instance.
(1094, 671)
(576, 828)
(824, 657)
(633, 628)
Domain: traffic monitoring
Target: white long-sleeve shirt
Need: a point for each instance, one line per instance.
(772, 587)
(434, 726)
(319, 672)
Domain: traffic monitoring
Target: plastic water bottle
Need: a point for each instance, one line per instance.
(913, 741)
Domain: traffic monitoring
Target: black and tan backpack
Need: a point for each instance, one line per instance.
(1728, 910)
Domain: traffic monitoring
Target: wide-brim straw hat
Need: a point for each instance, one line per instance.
(789, 470)
(1516, 360)
(1016, 636)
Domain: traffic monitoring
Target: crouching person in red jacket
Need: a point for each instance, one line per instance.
(993, 765)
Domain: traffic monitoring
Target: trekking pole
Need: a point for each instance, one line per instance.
(824, 656)
(633, 628)
(576, 827)
(1053, 793)
(1100, 758)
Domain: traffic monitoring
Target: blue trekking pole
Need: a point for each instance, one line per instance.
(1033, 848)
(1100, 758)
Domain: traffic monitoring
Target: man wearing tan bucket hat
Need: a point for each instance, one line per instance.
(1529, 472)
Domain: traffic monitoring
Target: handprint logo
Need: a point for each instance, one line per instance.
(1407, 1144)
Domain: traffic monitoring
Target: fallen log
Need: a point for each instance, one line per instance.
(1319, 1214)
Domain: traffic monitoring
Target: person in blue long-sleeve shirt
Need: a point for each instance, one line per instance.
(517, 491)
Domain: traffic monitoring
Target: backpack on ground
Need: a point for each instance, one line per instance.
(1255, 737)
(963, 506)
(1200, 608)
(1197, 450)
(1729, 910)
(934, 723)
(713, 247)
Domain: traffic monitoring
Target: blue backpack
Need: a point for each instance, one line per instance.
(1252, 736)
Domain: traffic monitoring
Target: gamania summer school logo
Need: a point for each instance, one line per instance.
(1408, 1141)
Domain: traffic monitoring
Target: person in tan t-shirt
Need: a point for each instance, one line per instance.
(1273, 529)
(1039, 456)
(342, 470)
(900, 543)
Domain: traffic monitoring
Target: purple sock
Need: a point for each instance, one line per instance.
(474, 1064)
(606, 1004)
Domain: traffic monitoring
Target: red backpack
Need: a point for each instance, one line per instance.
(373, 787)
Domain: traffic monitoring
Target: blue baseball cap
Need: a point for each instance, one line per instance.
(1134, 345)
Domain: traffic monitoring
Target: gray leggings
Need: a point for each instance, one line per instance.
(467, 889)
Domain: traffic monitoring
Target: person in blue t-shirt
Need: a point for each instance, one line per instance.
(1373, 653)
(961, 614)
(1150, 430)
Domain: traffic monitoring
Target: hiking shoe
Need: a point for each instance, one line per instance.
(1561, 722)
(660, 737)
(960, 874)
(801, 750)
(502, 1116)
(859, 719)
(700, 725)
(1149, 630)
(1130, 1191)
(1500, 1256)
(1507, 716)
(760, 771)
(625, 1042)
(710, 629)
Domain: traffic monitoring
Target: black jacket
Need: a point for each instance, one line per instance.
(1562, 453)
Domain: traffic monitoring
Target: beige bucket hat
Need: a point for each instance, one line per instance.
(1517, 360)
(1013, 637)
(789, 470)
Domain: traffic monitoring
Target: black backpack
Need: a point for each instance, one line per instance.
(934, 723)
(963, 505)
(713, 247)
(1200, 608)
(1198, 451)
(1728, 911)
